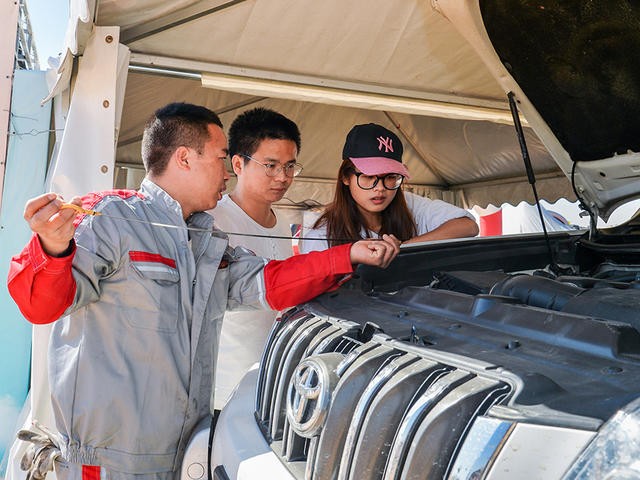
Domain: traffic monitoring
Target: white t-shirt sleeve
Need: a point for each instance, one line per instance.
(430, 214)
(305, 246)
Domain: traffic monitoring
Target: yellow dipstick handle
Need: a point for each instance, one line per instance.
(78, 209)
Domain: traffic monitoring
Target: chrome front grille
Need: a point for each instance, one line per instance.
(396, 412)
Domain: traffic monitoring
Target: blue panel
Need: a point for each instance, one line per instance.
(24, 178)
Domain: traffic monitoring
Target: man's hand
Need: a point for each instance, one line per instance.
(53, 225)
(378, 253)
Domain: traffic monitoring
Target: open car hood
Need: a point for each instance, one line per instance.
(572, 68)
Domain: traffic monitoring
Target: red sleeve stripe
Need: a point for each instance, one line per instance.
(90, 472)
(136, 256)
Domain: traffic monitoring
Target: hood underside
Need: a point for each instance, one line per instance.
(572, 66)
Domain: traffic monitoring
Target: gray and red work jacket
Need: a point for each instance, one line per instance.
(138, 312)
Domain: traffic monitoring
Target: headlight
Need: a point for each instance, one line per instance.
(614, 453)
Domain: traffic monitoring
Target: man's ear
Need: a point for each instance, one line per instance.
(181, 157)
(237, 163)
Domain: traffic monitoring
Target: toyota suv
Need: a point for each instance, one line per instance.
(503, 357)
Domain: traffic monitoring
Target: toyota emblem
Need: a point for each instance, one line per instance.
(309, 393)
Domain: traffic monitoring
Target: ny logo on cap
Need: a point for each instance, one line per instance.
(385, 142)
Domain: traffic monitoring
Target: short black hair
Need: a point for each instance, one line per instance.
(253, 126)
(171, 126)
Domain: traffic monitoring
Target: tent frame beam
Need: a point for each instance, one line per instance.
(174, 19)
(305, 87)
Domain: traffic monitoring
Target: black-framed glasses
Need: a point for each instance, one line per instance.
(272, 169)
(391, 181)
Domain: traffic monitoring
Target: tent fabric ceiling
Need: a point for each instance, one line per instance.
(399, 44)
(402, 46)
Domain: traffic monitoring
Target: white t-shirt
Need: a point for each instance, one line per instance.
(244, 333)
(428, 215)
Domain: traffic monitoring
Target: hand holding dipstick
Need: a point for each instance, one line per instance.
(52, 222)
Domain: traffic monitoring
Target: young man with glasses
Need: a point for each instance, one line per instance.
(369, 202)
(264, 146)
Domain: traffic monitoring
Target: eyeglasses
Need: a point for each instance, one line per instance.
(391, 181)
(272, 169)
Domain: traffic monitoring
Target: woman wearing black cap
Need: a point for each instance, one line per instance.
(368, 201)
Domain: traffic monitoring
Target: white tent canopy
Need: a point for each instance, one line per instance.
(327, 65)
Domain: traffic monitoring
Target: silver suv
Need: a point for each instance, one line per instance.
(494, 358)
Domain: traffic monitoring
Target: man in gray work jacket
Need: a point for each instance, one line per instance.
(138, 284)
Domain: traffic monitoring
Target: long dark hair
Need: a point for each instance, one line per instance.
(345, 222)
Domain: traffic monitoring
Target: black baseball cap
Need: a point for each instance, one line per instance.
(374, 150)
